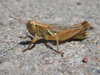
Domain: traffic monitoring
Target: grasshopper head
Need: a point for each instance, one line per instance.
(31, 27)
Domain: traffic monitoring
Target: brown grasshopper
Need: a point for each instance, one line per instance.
(54, 31)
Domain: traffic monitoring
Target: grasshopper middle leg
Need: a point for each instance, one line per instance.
(34, 40)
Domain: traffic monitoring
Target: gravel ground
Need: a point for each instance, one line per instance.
(41, 59)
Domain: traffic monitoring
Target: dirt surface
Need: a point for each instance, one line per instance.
(42, 59)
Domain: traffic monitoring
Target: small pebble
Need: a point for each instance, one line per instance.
(85, 59)
(79, 3)
(98, 71)
(1, 61)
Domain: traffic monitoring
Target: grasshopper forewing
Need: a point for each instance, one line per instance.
(54, 32)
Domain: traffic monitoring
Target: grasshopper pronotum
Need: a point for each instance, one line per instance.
(53, 31)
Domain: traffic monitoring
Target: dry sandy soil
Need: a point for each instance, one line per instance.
(42, 59)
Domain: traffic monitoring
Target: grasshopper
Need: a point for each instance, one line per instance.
(54, 31)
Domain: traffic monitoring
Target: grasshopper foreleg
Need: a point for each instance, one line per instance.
(24, 37)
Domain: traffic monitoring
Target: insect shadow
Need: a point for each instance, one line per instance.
(45, 42)
(38, 42)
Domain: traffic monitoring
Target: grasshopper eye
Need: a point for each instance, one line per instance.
(30, 24)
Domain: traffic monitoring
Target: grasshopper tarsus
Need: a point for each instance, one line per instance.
(22, 37)
(62, 53)
(24, 50)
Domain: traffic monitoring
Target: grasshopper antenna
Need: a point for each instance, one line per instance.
(15, 19)
(10, 49)
(15, 15)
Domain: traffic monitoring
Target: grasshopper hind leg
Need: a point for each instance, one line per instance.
(58, 47)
